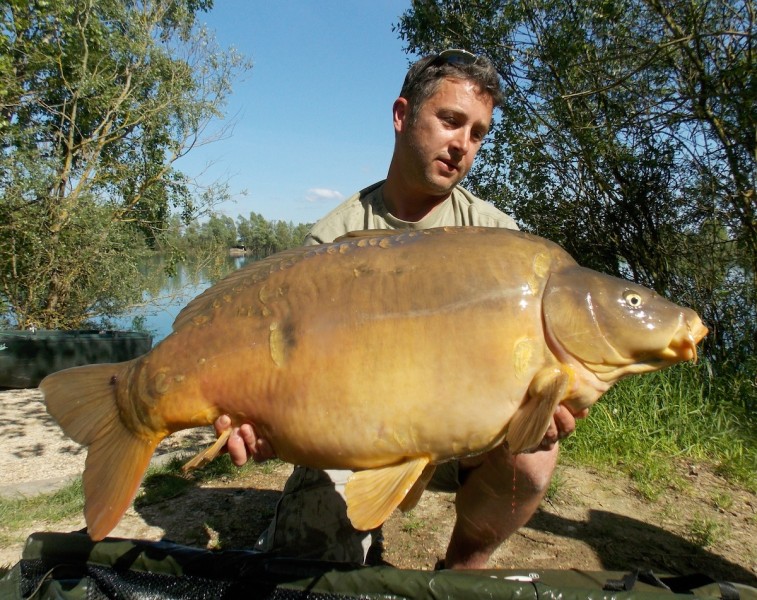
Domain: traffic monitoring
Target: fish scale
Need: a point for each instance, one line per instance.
(384, 353)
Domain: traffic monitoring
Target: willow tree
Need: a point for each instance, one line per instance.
(98, 100)
(628, 135)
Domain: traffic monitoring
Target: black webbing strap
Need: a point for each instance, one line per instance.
(678, 585)
(686, 583)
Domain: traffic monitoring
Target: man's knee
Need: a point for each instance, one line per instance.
(508, 474)
(533, 472)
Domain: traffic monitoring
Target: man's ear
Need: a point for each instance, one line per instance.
(400, 113)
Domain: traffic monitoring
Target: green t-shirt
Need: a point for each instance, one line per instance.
(366, 210)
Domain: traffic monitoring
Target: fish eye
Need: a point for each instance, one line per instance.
(633, 299)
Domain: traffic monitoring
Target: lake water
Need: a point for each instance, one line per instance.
(169, 294)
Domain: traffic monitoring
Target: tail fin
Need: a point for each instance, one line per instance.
(83, 402)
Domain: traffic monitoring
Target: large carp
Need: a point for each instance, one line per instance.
(383, 353)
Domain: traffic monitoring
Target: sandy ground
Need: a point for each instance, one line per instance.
(596, 521)
(35, 453)
(36, 456)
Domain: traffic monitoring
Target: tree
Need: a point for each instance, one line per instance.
(97, 102)
(220, 231)
(262, 237)
(627, 136)
(257, 235)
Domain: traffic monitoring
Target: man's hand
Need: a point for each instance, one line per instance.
(243, 442)
(562, 425)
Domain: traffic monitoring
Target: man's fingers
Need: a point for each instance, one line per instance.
(582, 414)
(564, 422)
(237, 448)
(221, 424)
(263, 451)
(551, 435)
(243, 442)
(257, 448)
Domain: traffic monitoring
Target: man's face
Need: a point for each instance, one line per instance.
(438, 148)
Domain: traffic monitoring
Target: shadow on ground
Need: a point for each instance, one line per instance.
(208, 517)
(623, 543)
(234, 517)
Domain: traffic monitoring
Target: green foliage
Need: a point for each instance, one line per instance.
(218, 233)
(628, 136)
(90, 275)
(705, 531)
(644, 423)
(97, 102)
(263, 237)
(168, 480)
(44, 508)
(162, 483)
(556, 487)
(412, 523)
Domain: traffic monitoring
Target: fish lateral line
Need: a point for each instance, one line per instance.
(122, 411)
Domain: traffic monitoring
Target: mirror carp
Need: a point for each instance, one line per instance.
(385, 353)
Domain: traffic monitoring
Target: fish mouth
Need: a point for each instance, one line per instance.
(683, 346)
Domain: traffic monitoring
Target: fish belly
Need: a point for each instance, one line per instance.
(349, 371)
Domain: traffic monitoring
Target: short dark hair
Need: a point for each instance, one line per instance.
(425, 75)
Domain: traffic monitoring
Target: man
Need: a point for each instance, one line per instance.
(440, 121)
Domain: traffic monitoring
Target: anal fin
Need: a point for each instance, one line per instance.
(203, 457)
(373, 494)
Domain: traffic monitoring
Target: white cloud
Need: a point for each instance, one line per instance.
(322, 194)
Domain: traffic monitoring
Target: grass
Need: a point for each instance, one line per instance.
(705, 531)
(167, 481)
(645, 424)
(22, 513)
(411, 522)
(161, 483)
(556, 487)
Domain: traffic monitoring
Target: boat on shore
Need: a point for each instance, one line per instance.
(236, 251)
(27, 357)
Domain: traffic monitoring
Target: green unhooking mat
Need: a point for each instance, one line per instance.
(71, 566)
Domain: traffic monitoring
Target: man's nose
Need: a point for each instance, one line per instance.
(461, 142)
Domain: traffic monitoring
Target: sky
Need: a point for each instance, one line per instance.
(312, 119)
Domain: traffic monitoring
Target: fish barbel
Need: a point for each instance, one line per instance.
(385, 353)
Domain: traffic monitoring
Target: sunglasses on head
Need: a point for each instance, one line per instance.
(455, 56)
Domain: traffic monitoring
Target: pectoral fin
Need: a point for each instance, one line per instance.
(548, 388)
(373, 494)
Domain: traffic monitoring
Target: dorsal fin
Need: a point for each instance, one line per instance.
(365, 233)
